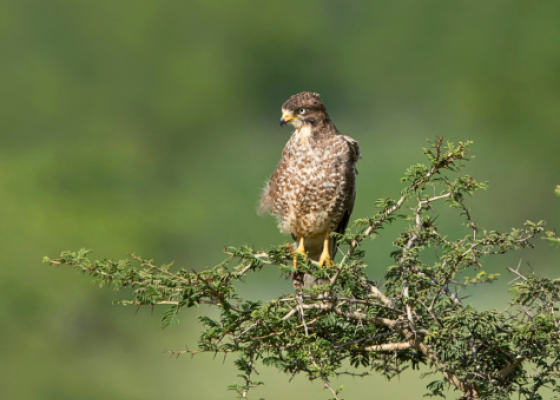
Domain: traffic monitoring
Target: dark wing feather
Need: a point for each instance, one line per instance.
(351, 173)
(341, 228)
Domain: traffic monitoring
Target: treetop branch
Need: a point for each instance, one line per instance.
(340, 316)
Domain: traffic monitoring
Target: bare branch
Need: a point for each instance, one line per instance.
(389, 347)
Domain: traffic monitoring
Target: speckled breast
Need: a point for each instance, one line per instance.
(318, 183)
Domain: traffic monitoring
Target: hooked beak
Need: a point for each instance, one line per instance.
(286, 117)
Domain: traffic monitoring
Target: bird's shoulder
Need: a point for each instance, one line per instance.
(354, 147)
(352, 144)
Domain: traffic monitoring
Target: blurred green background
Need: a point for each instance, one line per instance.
(151, 126)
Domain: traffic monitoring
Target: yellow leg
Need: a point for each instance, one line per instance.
(325, 256)
(300, 249)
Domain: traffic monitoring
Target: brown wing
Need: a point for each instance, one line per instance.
(351, 172)
(356, 153)
(339, 229)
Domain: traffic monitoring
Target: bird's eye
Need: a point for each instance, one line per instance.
(301, 111)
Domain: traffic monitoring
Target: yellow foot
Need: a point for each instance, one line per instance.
(325, 256)
(300, 250)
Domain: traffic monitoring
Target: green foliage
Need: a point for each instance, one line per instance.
(416, 317)
(552, 236)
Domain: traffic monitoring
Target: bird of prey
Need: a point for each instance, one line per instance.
(313, 189)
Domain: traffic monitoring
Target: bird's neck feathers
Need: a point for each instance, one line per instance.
(308, 132)
(320, 126)
(304, 132)
(321, 122)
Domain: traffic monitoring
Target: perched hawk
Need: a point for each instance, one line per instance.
(313, 189)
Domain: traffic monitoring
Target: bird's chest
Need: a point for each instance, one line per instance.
(305, 174)
(312, 184)
(307, 155)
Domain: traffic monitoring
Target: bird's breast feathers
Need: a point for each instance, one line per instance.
(314, 189)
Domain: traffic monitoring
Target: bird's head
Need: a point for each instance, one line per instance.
(303, 108)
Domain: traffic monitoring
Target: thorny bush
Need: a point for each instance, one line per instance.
(416, 317)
